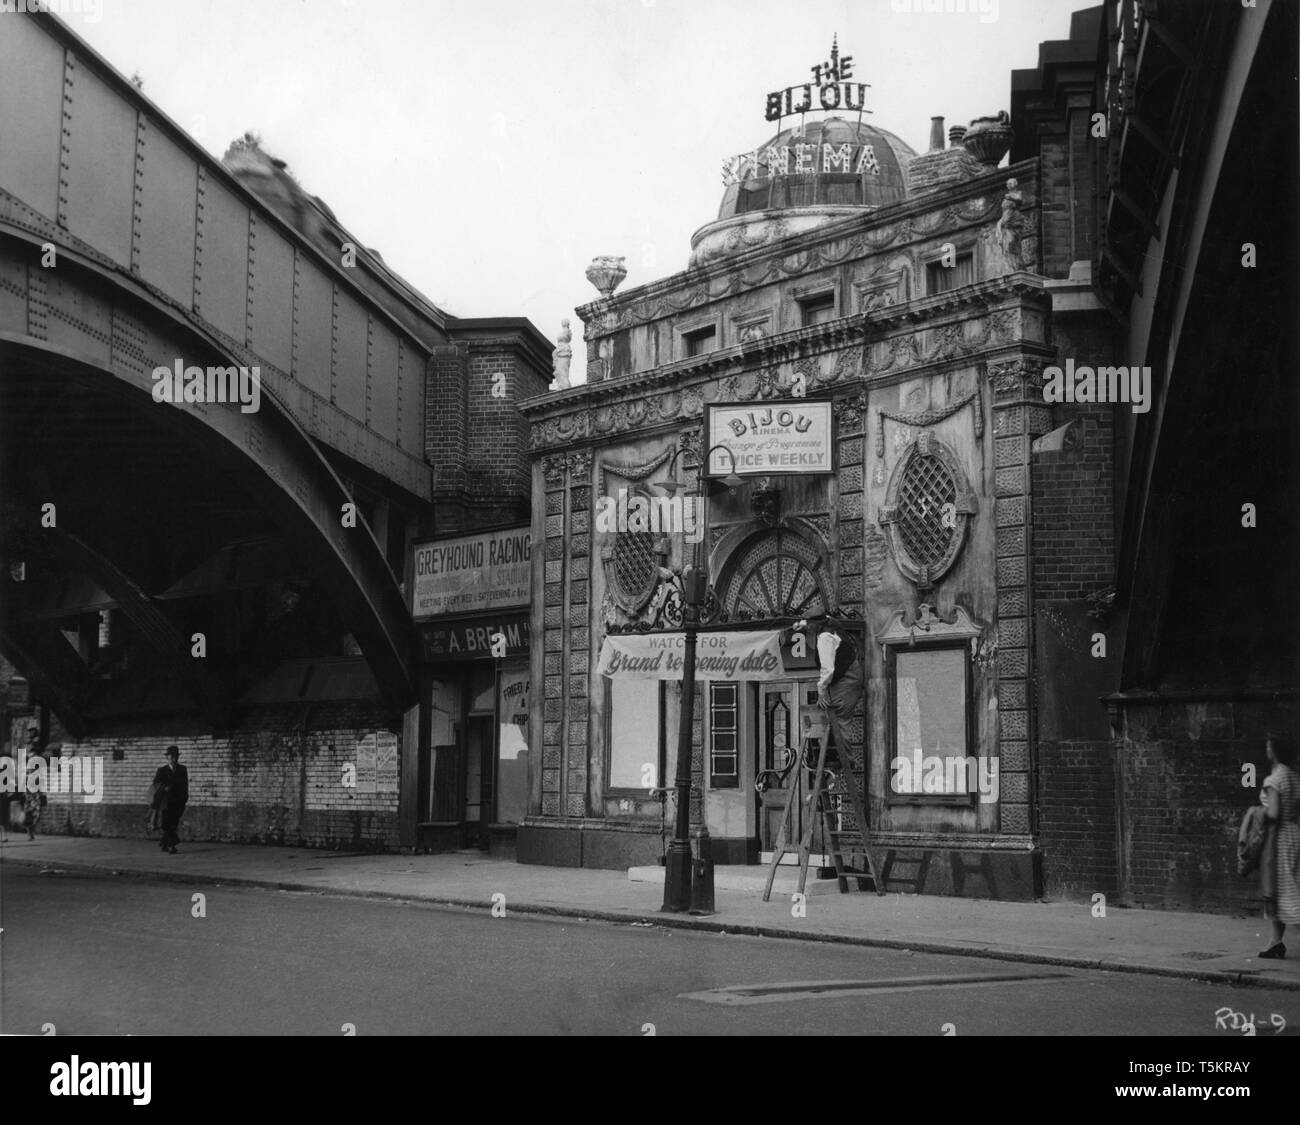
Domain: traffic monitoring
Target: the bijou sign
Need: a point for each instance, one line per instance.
(833, 92)
(719, 656)
(779, 437)
(472, 573)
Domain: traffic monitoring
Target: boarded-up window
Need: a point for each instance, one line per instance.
(635, 734)
(930, 718)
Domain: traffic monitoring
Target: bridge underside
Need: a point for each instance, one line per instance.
(1209, 582)
(177, 520)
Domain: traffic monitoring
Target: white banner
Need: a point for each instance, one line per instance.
(718, 656)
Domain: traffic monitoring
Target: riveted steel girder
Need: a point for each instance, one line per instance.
(266, 452)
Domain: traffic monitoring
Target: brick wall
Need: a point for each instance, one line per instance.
(446, 418)
(271, 782)
(1068, 169)
(1074, 537)
(1180, 768)
(1076, 818)
(475, 437)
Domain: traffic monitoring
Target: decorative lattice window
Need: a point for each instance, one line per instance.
(928, 507)
(632, 568)
(925, 495)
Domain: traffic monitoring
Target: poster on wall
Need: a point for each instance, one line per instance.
(472, 573)
(512, 742)
(367, 764)
(727, 657)
(386, 762)
(768, 439)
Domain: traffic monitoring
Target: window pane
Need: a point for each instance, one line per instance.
(941, 278)
(818, 310)
(482, 689)
(722, 724)
(634, 733)
(930, 702)
(701, 341)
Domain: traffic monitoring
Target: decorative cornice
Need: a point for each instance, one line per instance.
(847, 333)
(904, 215)
(811, 341)
(982, 295)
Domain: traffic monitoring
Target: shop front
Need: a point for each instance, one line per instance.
(759, 702)
(469, 763)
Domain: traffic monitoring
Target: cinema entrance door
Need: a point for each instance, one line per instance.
(780, 712)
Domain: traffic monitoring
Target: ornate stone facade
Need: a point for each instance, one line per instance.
(914, 372)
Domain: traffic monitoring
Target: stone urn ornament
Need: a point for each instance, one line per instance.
(606, 273)
(989, 138)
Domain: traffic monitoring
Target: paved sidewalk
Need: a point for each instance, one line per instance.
(1200, 946)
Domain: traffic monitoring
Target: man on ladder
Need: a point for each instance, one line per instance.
(839, 689)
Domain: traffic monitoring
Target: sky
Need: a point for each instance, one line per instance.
(489, 149)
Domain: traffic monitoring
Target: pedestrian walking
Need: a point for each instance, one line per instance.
(1280, 878)
(173, 786)
(34, 800)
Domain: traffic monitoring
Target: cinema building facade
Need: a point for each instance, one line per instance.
(888, 316)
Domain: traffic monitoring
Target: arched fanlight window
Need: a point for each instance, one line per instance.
(776, 576)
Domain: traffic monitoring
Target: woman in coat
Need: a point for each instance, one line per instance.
(1280, 879)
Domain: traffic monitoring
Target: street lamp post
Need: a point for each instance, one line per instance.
(680, 891)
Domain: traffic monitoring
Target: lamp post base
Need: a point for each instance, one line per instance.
(677, 878)
(702, 875)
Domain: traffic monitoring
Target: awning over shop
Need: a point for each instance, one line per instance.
(718, 656)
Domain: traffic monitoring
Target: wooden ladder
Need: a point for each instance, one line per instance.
(838, 841)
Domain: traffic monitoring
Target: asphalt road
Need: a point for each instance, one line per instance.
(105, 955)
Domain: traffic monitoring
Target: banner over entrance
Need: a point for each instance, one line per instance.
(729, 657)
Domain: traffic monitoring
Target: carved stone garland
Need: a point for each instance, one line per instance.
(930, 417)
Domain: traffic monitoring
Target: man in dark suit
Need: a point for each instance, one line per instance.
(173, 782)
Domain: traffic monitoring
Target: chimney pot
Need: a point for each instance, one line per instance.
(955, 135)
(936, 134)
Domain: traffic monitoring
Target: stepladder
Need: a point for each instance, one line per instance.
(835, 806)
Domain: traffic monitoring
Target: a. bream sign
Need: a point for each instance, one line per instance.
(481, 573)
(770, 438)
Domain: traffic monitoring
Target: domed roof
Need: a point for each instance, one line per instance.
(829, 162)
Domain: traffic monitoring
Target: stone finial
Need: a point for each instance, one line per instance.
(606, 273)
(562, 357)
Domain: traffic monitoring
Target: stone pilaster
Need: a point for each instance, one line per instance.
(572, 554)
(554, 473)
(1019, 415)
